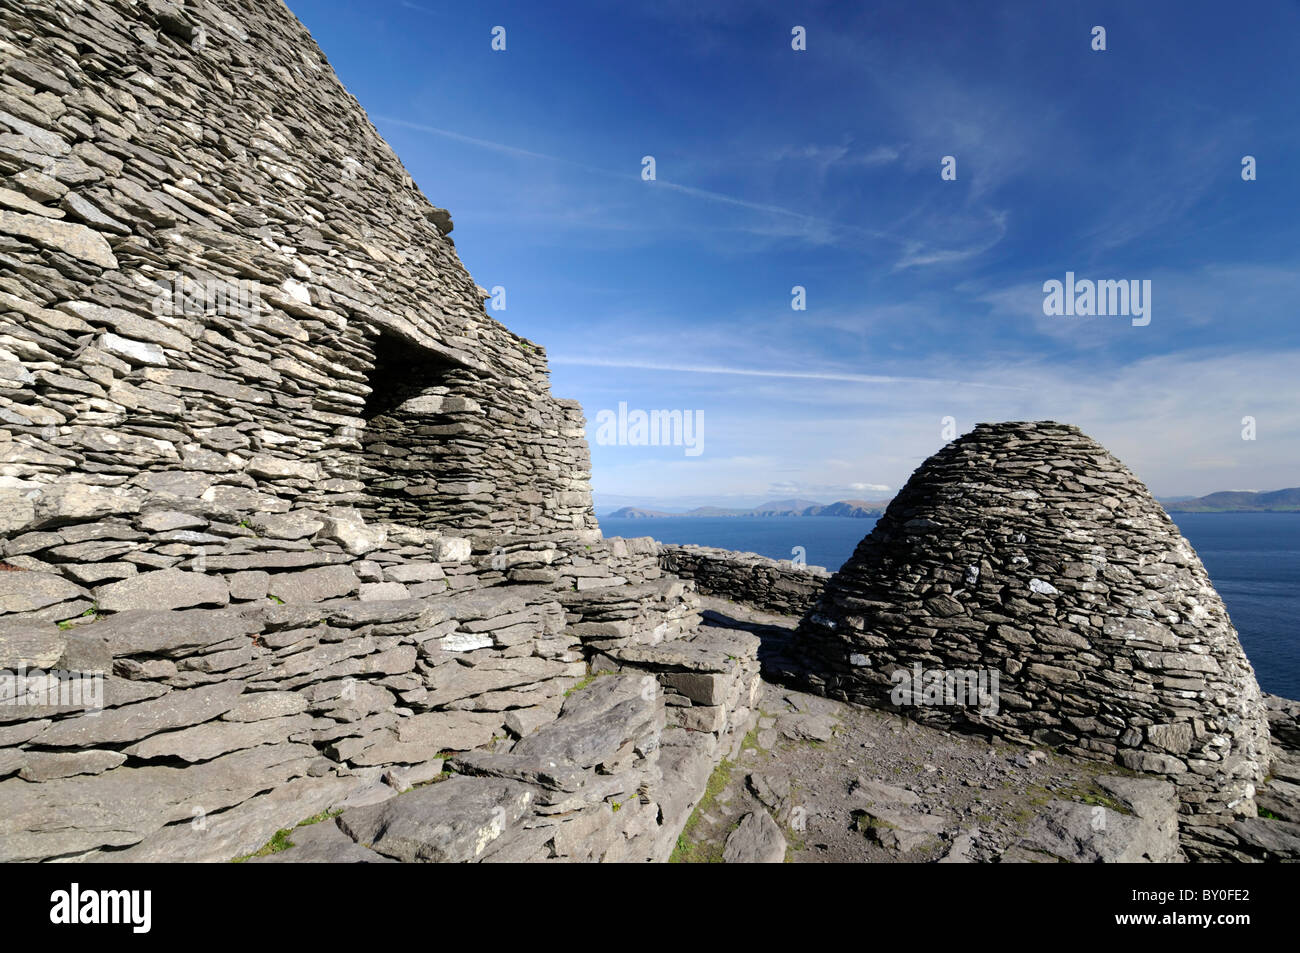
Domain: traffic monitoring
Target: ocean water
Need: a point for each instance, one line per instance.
(827, 540)
(1252, 558)
(1254, 561)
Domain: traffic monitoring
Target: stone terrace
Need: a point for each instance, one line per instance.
(267, 464)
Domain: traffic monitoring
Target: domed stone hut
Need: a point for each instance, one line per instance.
(286, 516)
(1026, 583)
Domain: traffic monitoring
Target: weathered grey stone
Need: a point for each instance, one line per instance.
(449, 730)
(1086, 599)
(208, 741)
(524, 721)
(136, 353)
(17, 509)
(541, 772)
(596, 724)
(465, 641)
(709, 719)
(349, 700)
(12, 760)
(1083, 833)
(164, 589)
(452, 821)
(251, 585)
(776, 586)
(116, 693)
(314, 585)
(323, 843)
(403, 779)
(1281, 799)
(30, 644)
(284, 525)
(69, 816)
(76, 502)
(316, 661)
(806, 727)
(119, 725)
(702, 688)
(16, 734)
(277, 468)
(76, 240)
(392, 661)
(450, 549)
(771, 788)
(169, 633)
(960, 849)
(239, 831)
(414, 572)
(1269, 840)
(258, 706)
(28, 591)
(900, 829)
(165, 521)
(710, 650)
(452, 682)
(21, 203)
(376, 591)
(877, 792)
(275, 562)
(190, 448)
(80, 207)
(91, 574)
(1152, 761)
(757, 840)
(350, 531)
(47, 765)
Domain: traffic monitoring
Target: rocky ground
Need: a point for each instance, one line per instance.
(818, 780)
(847, 784)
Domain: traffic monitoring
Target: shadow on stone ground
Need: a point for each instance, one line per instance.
(844, 783)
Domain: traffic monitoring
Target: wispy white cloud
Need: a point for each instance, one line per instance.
(770, 209)
(692, 191)
(815, 229)
(418, 8)
(1183, 301)
(501, 147)
(1175, 419)
(827, 157)
(815, 375)
(921, 253)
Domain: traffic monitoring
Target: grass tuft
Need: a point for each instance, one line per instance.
(280, 839)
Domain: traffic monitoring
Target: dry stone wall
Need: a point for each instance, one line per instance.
(774, 585)
(1027, 551)
(214, 268)
(288, 524)
(314, 535)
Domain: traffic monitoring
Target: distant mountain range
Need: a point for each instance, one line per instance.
(859, 509)
(1239, 501)
(1225, 501)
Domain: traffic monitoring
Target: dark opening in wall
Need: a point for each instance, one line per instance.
(402, 371)
(404, 452)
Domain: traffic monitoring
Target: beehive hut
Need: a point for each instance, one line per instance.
(224, 283)
(271, 472)
(1028, 552)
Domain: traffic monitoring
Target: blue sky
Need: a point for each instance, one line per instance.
(821, 168)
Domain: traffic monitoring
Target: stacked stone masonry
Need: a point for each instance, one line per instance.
(267, 465)
(774, 585)
(214, 268)
(1027, 550)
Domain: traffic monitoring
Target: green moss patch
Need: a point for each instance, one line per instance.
(280, 839)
